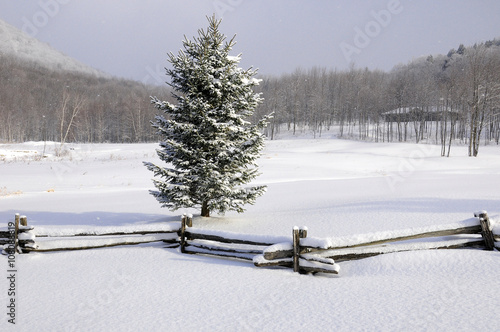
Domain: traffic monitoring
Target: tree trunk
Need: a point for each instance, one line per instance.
(205, 212)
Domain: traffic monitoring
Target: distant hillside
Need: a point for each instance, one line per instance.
(48, 96)
(15, 42)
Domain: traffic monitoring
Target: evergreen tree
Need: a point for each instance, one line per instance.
(206, 139)
(461, 49)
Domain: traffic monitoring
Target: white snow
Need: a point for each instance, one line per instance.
(337, 188)
(58, 231)
(345, 241)
(332, 267)
(283, 246)
(102, 241)
(240, 236)
(27, 236)
(15, 42)
(234, 58)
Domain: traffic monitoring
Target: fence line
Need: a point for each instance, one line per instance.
(225, 244)
(303, 253)
(486, 229)
(321, 245)
(28, 239)
(299, 252)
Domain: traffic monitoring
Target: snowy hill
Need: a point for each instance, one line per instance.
(15, 42)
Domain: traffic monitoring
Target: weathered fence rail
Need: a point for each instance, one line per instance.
(312, 254)
(25, 239)
(302, 253)
(18, 236)
(225, 244)
(469, 227)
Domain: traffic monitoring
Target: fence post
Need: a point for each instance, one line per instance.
(183, 232)
(486, 233)
(296, 249)
(303, 232)
(187, 221)
(297, 234)
(25, 238)
(16, 234)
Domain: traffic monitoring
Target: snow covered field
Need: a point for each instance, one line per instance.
(334, 187)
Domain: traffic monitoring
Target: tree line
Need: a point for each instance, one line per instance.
(40, 104)
(441, 99)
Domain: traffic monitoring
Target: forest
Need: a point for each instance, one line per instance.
(443, 99)
(39, 104)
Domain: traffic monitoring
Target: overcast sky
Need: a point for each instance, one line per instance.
(130, 38)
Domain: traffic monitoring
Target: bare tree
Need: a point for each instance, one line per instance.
(69, 109)
(484, 91)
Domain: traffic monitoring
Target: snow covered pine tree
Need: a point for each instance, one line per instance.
(207, 139)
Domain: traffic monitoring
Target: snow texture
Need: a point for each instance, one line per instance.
(347, 241)
(239, 236)
(103, 241)
(52, 231)
(337, 188)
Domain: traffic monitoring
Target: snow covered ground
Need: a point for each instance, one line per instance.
(334, 187)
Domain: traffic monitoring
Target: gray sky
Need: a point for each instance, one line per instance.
(130, 39)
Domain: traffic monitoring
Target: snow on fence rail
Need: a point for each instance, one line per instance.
(299, 252)
(477, 231)
(358, 243)
(18, 234)
(43, 239)
(218, 243)
(319, 255)
(247, 247)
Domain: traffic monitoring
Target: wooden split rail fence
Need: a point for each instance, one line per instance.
(18, 237)
(225, 244)
(301, 253)
(21, 238)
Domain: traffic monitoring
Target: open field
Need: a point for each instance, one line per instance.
(334, 187)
